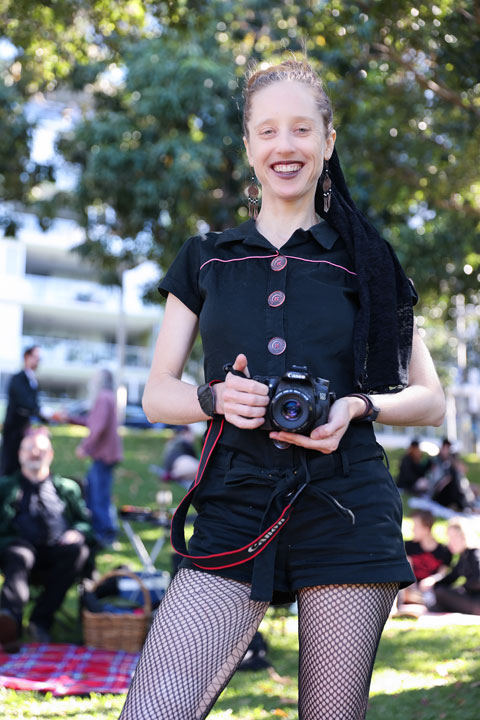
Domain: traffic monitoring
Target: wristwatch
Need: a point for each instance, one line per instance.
(206, 399)
(371, 411)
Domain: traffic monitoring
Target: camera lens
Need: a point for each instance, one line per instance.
(291, 410)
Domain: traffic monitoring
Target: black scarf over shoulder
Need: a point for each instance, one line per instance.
(384, 325)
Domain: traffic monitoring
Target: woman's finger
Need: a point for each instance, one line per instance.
(324, 446)
(241, 364)
(243, 422)
(248, 411)
(232, 395)
(245, 385)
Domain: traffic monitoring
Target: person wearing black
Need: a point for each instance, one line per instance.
(22, 405)
(44, 529)
(450, 487)
(412, 471)
(306, 298)
(465, 598)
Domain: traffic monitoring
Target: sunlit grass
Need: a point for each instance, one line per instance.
(420, 673)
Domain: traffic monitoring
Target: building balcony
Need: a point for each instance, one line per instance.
(62, 354)
(61, 292)
(80, 304)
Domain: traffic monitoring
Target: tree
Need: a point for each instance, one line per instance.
(47, 41)
(159, 157)
(162, 155)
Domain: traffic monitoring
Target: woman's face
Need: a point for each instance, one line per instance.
(286, 142)
(456, 541)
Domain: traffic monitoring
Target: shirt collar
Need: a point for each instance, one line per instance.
(247, 233)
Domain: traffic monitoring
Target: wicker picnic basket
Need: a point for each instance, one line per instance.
(117, 631)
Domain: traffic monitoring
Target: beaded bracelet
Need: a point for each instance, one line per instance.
(371, 412)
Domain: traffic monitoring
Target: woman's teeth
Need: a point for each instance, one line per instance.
(287, 168)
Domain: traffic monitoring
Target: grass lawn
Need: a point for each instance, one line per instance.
(420, 673)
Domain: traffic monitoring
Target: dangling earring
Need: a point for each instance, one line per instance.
(253, 201)
(327, 188)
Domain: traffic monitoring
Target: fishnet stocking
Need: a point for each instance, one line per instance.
(339, 632)
(200, 634)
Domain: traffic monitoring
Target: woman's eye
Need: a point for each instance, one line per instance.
(302, 130)
(267, 131)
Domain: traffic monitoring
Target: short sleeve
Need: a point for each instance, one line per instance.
(181, 279)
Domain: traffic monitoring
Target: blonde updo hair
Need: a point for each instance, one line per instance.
(293, 71)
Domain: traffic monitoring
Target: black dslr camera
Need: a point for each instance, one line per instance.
(298, 403)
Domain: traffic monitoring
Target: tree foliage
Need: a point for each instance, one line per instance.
(161, 156)
(158, 157)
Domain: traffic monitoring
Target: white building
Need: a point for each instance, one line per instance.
(49, 296)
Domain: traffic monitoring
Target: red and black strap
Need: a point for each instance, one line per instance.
(221, 560)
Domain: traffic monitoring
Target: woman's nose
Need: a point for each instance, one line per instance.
(285, 142)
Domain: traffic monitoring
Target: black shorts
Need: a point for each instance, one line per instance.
(318, 545)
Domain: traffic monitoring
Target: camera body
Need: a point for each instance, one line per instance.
(298, 403)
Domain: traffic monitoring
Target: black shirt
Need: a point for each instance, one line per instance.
(468, 566)
(40, 517)
(410, 471)
(293, 305)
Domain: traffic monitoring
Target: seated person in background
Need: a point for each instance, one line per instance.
(180, 462)
(462, 540)
(449, 486)
(411, 476)
(429, 559)
(44, 526)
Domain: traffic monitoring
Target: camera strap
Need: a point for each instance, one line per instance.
(219, 561)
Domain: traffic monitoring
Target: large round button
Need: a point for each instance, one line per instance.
(278, 263)
(277, 345)
(276, 298)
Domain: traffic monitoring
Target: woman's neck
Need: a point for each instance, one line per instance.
(278, 221)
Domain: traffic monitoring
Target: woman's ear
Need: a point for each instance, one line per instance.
(330, 144)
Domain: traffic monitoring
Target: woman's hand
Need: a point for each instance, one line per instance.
(241, 400)
(326, 438)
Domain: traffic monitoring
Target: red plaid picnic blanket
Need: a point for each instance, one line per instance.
(67, 669)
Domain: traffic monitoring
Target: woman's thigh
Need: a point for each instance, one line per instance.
(200, 634)
(339, 631)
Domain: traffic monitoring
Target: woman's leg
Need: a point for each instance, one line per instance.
(339, 632)
(200, 634)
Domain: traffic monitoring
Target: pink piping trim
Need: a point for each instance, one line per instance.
(250, 257)
(326, 262)
(290, 257)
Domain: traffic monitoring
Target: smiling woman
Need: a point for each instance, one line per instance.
(303, 311)
(288, 148)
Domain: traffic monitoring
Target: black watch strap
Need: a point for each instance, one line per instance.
(206, 399)
(371, 411)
